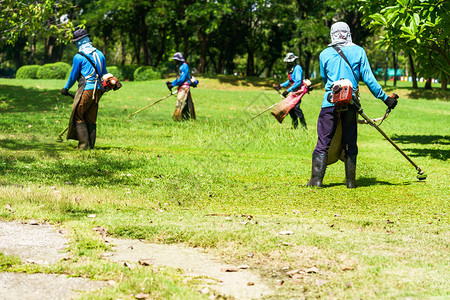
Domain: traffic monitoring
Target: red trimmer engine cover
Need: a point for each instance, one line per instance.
(110, 82)
(342, 92)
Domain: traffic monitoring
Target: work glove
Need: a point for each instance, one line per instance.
(391, 102)
(285, 93)
(169, 85)
(65, 91)
(277, 87)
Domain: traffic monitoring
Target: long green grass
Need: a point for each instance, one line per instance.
(231, 185)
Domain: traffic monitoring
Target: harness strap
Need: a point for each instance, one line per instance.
(291, 81)
(339, 51)
(92, 63)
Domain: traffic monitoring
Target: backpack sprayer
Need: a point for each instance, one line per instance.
(341, 96)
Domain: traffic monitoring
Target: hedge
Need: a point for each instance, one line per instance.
(147, 73)
(27, 72)
(57, 70)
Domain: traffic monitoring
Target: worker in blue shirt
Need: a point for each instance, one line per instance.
(88, 67)
(332, 69)
(295, 81)
(184, 108)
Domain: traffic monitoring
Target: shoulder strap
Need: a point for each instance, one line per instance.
(339, 51)
(90, 60)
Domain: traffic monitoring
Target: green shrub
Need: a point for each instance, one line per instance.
(57, 70)
(147, 73)
(127, 71)
(122, 72)
(115, 71)
(27, 72)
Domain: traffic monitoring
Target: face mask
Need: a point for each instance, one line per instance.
(290, 66)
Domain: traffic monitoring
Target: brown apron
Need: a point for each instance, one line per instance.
(72, 131)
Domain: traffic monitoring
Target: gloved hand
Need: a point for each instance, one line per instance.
(169, 85)
(391, 102)
(64, 91)
(285, 93)
(277, 87)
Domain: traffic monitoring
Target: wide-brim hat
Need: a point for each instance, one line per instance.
(79, 34)
(178, 56)
(290, 57)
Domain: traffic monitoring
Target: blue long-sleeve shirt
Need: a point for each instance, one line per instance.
(81, 66)
(184, 75)
(333, 68)
(296, 79)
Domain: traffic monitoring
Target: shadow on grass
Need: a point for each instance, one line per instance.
(363, 182)
(48, 149)
(425, 140)
(21, 99)
(433, 153)
(422, 139)
(87, 168)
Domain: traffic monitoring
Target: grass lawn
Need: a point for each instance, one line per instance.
(231, 186)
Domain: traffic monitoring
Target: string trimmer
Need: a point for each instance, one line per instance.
(151, 104)
(59, 139)
(420, 173)
(268, 107)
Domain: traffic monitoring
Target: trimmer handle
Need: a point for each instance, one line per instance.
(395, 96)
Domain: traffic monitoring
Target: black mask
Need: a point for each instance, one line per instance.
(290, 66)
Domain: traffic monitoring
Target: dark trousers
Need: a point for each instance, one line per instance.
(326, 127)
(296, 112)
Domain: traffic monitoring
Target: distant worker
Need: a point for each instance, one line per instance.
(184, 109)
(88, 68)
(336, 70)
(295, 82)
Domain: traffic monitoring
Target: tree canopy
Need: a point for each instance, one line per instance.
(418, 27)
(229, 36)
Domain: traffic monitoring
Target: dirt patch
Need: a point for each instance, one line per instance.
(40, 244)
(43, 286)
(235, 281)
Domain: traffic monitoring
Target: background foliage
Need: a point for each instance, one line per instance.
(247, 37)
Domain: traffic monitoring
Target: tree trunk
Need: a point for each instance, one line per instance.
(428, 84)
(122, 44)
(105, 44)
(32, 51)
(137, 50)
(48, 50)
(413, 71)
(250, 62)
(395, 68)
(444, 82)
(307, 67)
(203, 41)
(162, 48)
(185, 45)
(18, 47)
(143, 36)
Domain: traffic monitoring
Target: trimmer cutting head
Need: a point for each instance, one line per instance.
(421, 175)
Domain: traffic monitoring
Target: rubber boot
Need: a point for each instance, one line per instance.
(92, 131)
(83, 136)
(350, 171)
(319, 165)
(303, 122)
